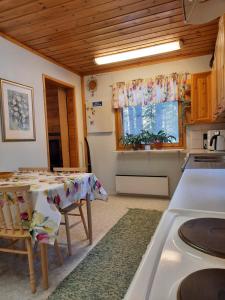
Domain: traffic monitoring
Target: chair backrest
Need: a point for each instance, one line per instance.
(15, 210)
(33, 169)
(71, 170)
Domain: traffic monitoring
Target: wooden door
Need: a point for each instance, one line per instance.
(72, 128)
(201, 110)
(61, 120)
(62, 102)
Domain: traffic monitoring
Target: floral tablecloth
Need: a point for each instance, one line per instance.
(51, 191)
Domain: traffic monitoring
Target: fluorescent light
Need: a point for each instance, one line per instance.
(158, 49)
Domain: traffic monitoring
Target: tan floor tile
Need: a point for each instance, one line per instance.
(14, 284)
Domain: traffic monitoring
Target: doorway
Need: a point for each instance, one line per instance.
(61, 125)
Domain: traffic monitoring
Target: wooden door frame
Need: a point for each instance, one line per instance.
(65, 85)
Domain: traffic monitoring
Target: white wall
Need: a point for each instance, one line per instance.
(195, 133)
(106, 163)
(22, 66)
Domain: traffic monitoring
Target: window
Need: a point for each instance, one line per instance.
(152, 117)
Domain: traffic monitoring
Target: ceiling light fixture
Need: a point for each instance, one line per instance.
(153, 50)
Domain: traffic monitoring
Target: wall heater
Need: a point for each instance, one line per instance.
(142, 185)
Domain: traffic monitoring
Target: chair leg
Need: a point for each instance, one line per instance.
(68, 234)
(58, 253)
(31, 265)
(44, 265)
(83, 221)
(89, 218)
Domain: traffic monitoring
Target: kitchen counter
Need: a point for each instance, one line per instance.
(201, 151)
(200, 189)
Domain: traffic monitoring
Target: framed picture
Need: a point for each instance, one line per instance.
(17, 112)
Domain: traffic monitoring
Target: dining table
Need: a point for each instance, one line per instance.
(50, 192)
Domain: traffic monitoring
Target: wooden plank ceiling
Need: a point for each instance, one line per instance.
(74, 32)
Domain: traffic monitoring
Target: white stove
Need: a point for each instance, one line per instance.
(168, 259)
(178, 259)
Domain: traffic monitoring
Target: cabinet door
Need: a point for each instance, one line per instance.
(218, 71)
(220, 60)
(201, 98)
(214, 98)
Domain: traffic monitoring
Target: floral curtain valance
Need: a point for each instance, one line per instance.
(162, 88)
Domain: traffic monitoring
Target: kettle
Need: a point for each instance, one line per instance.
(217, 141)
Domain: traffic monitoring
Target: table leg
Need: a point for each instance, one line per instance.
(89, 219)
(44, 265)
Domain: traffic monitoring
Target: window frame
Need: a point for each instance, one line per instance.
(119, 130)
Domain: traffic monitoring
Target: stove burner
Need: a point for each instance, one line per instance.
(208, 284)
(205, 234)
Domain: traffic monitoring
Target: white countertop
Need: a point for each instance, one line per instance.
(200, 189)
(201, 151)
(157, 255)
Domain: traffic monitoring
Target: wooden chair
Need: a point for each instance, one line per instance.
(13, 213)
(14, 210)
(35, 169)
(66, 212)
(71, 170)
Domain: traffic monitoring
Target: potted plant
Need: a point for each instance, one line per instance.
(147, 138)
(162, 137)
(131, 139)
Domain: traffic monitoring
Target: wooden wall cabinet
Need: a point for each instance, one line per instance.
(201, 105)
(214, 91)
(208, 88)
(218, 75)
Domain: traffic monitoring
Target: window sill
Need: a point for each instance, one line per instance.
(157, 151)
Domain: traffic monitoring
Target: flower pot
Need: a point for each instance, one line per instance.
(158, 145)
(135, 146)
(147, 147)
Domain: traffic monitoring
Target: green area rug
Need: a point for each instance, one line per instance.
(108, 269)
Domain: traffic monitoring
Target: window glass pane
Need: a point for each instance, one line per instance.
(152, 117)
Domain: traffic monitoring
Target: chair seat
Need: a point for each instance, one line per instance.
(16, 235)
(66, 212)
(71, 207)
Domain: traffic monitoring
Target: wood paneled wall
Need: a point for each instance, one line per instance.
(61, 118)
(72, 126)
(52, 109)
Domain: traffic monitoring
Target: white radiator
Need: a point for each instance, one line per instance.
(142, 185)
